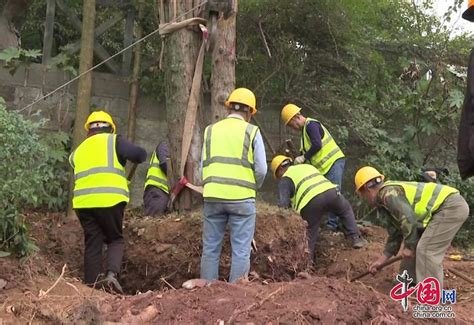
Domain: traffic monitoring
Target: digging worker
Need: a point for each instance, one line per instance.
(309, 193)
(438, 209)
(318, 148)
(101, 193)
(156, 194)
(233, 168)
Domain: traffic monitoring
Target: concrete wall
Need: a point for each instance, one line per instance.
(110, 92)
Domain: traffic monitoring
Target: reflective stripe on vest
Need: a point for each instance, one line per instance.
(425, 198)
(155, 176)
(228, 161)
(99, 178)
(325, 157)
(308, 182)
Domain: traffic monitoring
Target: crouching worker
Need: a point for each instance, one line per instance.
(156, 195)
(308, 192)
(439, 211)
(100, 195)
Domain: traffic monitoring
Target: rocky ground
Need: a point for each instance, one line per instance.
(161, 254)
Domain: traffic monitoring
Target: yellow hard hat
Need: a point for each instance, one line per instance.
(469, 13)
(99, 116)
(276, 162)
(364, 175)
(243, 96)
(288, 112)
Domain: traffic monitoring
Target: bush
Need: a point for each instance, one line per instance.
(31, 175)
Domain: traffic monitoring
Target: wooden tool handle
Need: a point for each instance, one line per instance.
(386, 263)
(132, 171)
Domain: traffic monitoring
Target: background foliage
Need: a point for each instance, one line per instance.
(385, 76)
(32, 177)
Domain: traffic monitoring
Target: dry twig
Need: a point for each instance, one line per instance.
(254, 305)
(166, 282)
(264, 39)
(42, 293)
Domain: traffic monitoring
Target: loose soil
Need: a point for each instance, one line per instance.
(163, 253)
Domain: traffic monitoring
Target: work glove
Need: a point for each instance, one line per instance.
(299, 160)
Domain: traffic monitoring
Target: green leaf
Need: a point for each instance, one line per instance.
(9, 54)
(456, 98)
(4, 254)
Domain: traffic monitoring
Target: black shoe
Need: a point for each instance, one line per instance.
(111, 282)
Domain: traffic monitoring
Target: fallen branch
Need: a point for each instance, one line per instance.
(42, 293)
(461, 275)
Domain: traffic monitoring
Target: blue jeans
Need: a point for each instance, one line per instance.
(241, 219)
(335, 176)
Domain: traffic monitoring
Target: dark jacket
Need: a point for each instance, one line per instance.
(466, 131)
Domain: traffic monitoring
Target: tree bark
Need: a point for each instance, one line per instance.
(181, 52)
(223, 65)
(132, 105)
(12, 9)
(85, 82)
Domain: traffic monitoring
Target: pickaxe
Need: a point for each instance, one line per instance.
(182, 183)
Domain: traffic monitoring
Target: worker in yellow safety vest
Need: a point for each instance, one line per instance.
(101, 193)
(437, 210)
(312, 195)
(233, 168)
(156, 194)
(318, 148)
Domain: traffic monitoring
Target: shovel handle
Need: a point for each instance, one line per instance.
(386, 263)
(132, 171)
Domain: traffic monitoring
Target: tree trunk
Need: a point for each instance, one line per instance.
(12, 10)
(85, 82)
(181, 52)
(223, 65)
(132, 105)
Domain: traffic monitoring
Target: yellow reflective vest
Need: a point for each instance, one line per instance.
(228, 160)
(155, 176)
(329, 152)
(99, 178)
(425, 198)
(309, 182)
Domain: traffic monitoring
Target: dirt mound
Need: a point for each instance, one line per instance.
(166, 252)
(162, 253)
(314, 300)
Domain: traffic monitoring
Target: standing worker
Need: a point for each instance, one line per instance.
(101, 193)
(308, 192)
(465, 156)
(156, 194)
(233, 168)
(439, 209)
(318, 148)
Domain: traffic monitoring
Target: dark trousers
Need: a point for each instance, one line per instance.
(155, 200)
(102, 225)
(330, 201)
